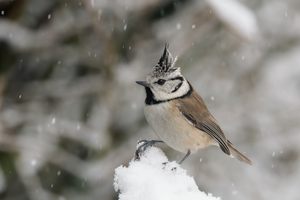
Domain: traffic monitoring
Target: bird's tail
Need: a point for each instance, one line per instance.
(235, 153)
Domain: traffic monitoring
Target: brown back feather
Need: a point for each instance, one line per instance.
(195, 111)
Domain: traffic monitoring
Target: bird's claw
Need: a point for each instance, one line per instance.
(143, 145)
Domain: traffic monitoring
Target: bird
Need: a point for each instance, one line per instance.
(177, 113)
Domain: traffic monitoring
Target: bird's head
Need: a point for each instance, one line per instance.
(165, 82)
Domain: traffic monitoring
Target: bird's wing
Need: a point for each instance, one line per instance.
(195, 111)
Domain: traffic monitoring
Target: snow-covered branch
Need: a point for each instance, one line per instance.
(153, 177)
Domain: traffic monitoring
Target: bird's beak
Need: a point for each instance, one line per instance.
(143, 83)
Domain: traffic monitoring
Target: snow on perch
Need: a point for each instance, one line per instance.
(153, 177)
(235, 15)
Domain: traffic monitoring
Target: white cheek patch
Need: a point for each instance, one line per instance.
(165, 94)
(183, 89)
(169, 86)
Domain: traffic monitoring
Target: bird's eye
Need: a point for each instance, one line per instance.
(161, 81)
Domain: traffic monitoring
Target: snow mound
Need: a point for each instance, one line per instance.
(153, 177)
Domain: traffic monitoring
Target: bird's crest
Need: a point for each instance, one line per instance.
(165, 65)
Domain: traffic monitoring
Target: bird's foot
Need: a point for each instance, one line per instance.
(185, 157)
(143, 145)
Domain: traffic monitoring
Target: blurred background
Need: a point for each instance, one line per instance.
(71, 111)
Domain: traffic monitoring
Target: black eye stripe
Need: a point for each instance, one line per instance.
(177, 87)
(162, 81)
(177, 78)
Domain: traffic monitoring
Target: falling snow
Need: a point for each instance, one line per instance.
(33, 162)
(178, 26)
(78, 127)
(53, 121)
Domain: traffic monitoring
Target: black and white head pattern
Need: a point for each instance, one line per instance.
(165, 81)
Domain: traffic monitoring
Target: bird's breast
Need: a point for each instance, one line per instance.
(171, 126)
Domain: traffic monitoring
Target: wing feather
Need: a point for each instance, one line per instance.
(195, 111)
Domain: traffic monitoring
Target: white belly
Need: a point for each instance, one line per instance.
(171, 127)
